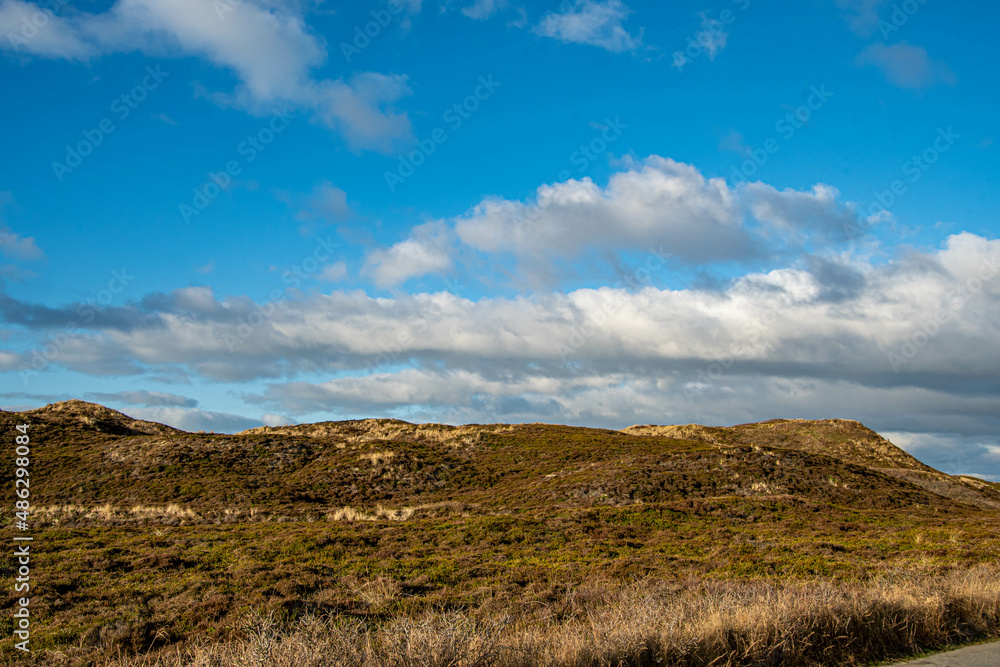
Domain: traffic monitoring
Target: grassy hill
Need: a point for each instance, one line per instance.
(150, 537)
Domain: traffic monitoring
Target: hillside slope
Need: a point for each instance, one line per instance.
(90, 456)
(843, 439)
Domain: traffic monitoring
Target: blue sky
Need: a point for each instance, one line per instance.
(222, 213)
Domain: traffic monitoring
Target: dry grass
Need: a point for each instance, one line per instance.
(363, 431)
(379, 512)
(722, 624)
(378, 457)
(173, 514)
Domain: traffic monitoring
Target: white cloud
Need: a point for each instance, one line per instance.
(426, 251)
(269, 49)
(654, 205)
(334, 272)
(906, 66)
(592, 22)
(28, 28)
(807, 334)
(483, 9)
(655, 202)
(271, 52)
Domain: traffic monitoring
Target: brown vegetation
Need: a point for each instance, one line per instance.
(719, 624)
(409, 543)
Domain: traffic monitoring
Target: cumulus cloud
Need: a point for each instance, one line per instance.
(906, 66)
(658, 201)
(426, 251)
(656, 205)
(268, 48)
(592, 22)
